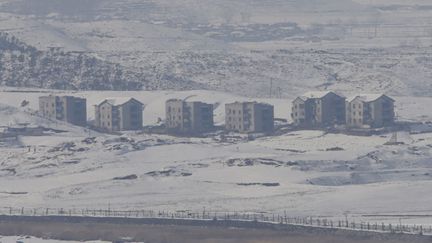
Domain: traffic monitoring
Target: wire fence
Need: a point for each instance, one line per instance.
(264, 218)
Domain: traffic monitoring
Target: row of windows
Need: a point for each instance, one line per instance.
(234, 127)
(354, 106)
(233, 119)
(174, 118)
(173, 109)
(234, 112)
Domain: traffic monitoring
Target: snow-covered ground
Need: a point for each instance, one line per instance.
(299, 172)
(242, 46)
(29, 239)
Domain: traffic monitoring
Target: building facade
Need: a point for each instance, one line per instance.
(318, 109)
(119, 114)
(64, 108)
(188, 117)
(249, 117)
(370, 111)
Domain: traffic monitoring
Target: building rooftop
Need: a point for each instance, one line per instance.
(317, 94)
(366, 97)
(115, 101)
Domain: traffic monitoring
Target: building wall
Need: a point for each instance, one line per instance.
(47, 107)
(127, 116)
(319, 112)
(201, 116)
(131, 115)
(75, 110)
(331, 110)
(65, 108)
(104, 117)
(357, 113)
(383, 112)
(249, 117)
(174, 115)
(299, 112)
(235, 119)
(189, 117)
(263, 118)
(378, 113)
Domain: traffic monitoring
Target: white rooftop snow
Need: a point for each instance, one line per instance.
(115, 101)
(366, 97)
(317, 94)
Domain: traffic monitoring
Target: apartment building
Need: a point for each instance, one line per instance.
(188, 117)
(64, 108)
(119, 114)
(249, 117)
(370, 111)
(318, 109)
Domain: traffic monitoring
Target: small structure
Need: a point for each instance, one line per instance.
(249, 117)
(188, 117)
(119, 114)
(64, 108)
(318, 109)
(370, 111)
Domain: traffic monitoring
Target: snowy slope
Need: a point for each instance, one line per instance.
(299, 172)
(242, 46)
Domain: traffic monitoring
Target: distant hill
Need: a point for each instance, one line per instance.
(22, 65)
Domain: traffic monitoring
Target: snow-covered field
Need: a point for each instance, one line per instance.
(28, 239)
(299, 172)
(241, 46)
(256, 48)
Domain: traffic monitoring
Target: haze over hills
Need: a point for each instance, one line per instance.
(249, 47)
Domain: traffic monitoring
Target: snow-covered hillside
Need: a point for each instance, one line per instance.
(303, 172)
(272, 49)
(248, 47)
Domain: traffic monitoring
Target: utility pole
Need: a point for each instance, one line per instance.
(271, 86)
